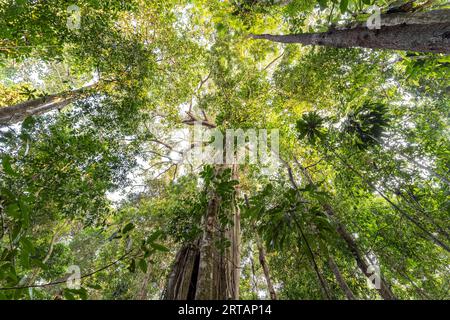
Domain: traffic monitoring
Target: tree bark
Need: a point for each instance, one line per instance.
(419, 37)
(265, 266)
(143, 290)
(384, 290)
(215, 274)
(340, 279)
(201, 270)
(236, 239)
(205, 282)
(398, 18)
(254, 282)
(182, 281)
(18, 112)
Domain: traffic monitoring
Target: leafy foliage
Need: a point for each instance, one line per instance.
(106, 183)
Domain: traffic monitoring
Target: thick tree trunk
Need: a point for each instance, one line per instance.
(18, 112)
(205, 280)
(420, 37)
(201, 270)
(215, 274)
(340, 279)
(410, 18)
(265, 266)
(182, 281)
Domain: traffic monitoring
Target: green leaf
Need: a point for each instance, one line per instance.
(132, 266)
(323, 3)
(25, 212)
(155, 235)
(7, 194)
(25, 259)
(82, 292)
(13, 210)
(94, 286)
(207, 174)
(71, 294)
(68, 295)
(27, 245)
(128, 228)
(28, 123)
(343, 5)
(159, 247)
(40, 264)
(143, 265)
(6, 164)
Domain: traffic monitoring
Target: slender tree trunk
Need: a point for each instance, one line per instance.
(263, 261)
(236, 239)
(18, 112)
(340, 279)
(394, 206)
(266, 269)
(323, 284)
(143, 290)
(384, 290)
(411, 36)
(410, 18)
(402, 272)
(53, 241)
(254, 282)
(325, 288)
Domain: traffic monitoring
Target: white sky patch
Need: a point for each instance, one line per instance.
(179, 139)
(184, 24)
(94, 80)
(33, 71)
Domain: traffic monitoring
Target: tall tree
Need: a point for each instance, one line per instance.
(420, 32)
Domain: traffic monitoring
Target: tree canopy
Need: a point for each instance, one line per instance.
(97, 142)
